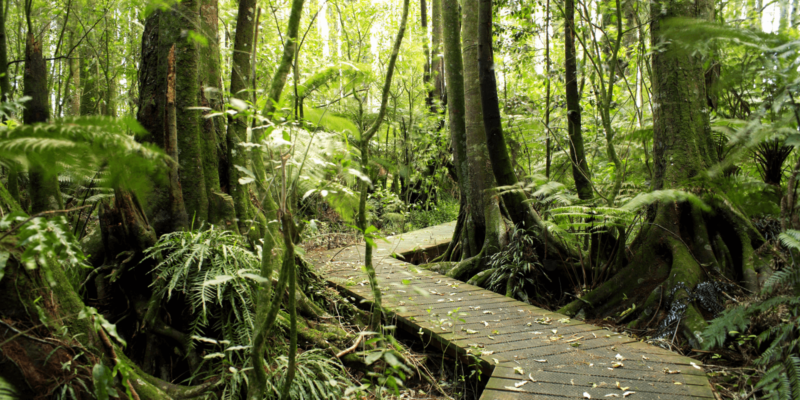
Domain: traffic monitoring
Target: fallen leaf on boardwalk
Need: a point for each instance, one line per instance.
(617, 365)
(572, 382)
(619, 357)
(586, 395)
(554, 331)
(554, 338)
(612, 395)
(490, 337)
(529, 324)
(576, 344)
(496, 361)
(695, 365)
(519, 370)
(443, 328)
(644, 358)
(489, 312)
(622, 388)
(677, 383)
(541, 361)
(575, 339)
(514, 389)
(626, 394)
(471, 331)
(531, 378)
(487, 353)
(520, 383)
(536, 333)
(485, 323)
(669, 371)
(564, 320)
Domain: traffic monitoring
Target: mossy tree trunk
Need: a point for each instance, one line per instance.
(175, 72)
(454, 69)
(485, 223)
(682, 244)
(241, 70)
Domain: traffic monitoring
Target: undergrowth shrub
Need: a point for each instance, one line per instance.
(318, 376)
(780, 342)
(445, 211)
(516, 268)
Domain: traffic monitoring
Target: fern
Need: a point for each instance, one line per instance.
(664, 196)
(81, 146)
(213, 270)
(318, 376)
(780, 356)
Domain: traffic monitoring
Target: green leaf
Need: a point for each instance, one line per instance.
(373, 356)
(3, 261)
(103, 381)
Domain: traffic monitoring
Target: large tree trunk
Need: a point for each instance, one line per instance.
(485, 223)
(681, 245)
(173, 76)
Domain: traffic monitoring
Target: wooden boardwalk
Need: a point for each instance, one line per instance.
(531, 353)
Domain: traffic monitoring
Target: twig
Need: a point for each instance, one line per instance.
(354, 346)
(661, 297)
(21, 333)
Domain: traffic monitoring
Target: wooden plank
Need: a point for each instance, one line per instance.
(420, 300)
(577, 392)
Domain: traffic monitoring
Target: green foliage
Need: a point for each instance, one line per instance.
(780, 343)
(215, 272)
(318, 376)
(516, 269)
(86, 145)
(419, 217)
(45, 242)
(664, 196)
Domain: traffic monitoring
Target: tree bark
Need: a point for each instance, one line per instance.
(237, 126)
(44, 190)
(580, 168)
(437, 93)
(454, 69)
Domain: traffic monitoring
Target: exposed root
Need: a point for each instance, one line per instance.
(680, 249)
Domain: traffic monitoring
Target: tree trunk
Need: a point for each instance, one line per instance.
(681, 244)
(580, 168)
(184, 17)
(437, 92)
(520, 211)
(199, 141)
(289, 50)
(454, 69)
(237, 127)
(44, 191)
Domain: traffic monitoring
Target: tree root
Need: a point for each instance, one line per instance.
(681, 248)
